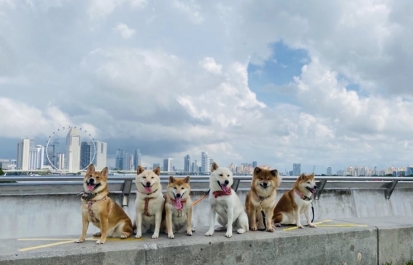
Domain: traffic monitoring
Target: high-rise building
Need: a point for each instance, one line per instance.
(205, 166)
(100, 160)
(72, 156)
(86, 154)
(40, 156)
(329, 171)
(60, 161)
(137, 159)
(167, 165)
(23, 154)
(128, 162)
(296, 169)
(194, 167)
(187, 163)
(120, 159)
(254, 164)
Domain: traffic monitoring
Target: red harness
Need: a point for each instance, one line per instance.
(145, 211)
(219, 193)
(89, 209)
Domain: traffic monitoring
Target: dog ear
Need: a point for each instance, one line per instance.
(157, 171)
(274, 172)
(139, 170)
(214, 166)
(257, 170)
(171, 179)
(90, 168)
(186, 180)
(105, 172)
(302, 176)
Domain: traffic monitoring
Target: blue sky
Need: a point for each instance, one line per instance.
(316, 83)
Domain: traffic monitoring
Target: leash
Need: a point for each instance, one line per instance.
(200, 199)
(312, 210)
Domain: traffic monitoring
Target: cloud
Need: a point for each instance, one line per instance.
(124, 31)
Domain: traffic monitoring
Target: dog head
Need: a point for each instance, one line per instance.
(148, 181)
(220, 179)
(95, 181)
(178, 190)
(306, 183)
(265, 179)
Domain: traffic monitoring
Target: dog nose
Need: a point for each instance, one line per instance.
(91, 181)
(315, 186)
(264, 184)
(178, 195)
(226, 182)
(148, 184)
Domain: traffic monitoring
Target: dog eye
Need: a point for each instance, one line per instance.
(308, 182)
(174, 187)
(182, 188)
(152, 177)
(144, 177)
(220, 175)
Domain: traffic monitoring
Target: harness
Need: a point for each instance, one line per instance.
(146, 209)
(86, 196)
(262, 211)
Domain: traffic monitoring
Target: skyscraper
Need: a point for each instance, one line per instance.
(101, 155)
(187, 163)
(23, 154)
(205, 166)
(254, 164)
(137, 158)
(329, 171)
(296, 169)
(86, 154)
(120, 159)
(167, 164)
(73, 150)
(40, 156)
(194, 167)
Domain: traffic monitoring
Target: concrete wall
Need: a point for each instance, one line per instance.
(48, 215)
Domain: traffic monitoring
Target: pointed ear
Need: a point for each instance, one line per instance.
(139, 170)
(312, 175)
(257, 170)
(157, 171)
(105, 172)
(302, 176)
(171, 179)
(230, 166)
(274, 172)
(214, 166)
(186, 180)
(90, 168)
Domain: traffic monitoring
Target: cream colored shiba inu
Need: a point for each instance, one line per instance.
(295, 202)
(261, 198)
(178, 206)
(225, 202)
(149, 201)
(100, 210)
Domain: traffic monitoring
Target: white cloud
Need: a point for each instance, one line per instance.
(124, 30)
(210, 65)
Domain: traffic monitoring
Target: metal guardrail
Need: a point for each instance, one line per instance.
(125, 184)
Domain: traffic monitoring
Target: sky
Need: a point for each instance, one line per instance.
(321, 83)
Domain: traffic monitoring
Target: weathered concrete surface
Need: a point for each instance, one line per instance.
(395, 237)
(288, 245)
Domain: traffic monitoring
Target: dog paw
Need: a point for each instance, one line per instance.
(79, 240)
(240, 231)
(312, 225)
(171, 236)
(253, 228)
(97, 234)
(189, 232)
(154, 236)
(209, 233)
(300, 226)
(124, 236)
(138, 236)
(270, 229)
(100, 242)
(278, 225)
(228, 234)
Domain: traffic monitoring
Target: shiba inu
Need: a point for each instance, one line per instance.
(149, 201)
(178, 206)
(225, 202)
(100, 210)
(261, 198)
(295, 202)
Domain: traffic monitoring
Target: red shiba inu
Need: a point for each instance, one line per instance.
(100, 210)
(295, 202)
(261, 198)
(178, 206)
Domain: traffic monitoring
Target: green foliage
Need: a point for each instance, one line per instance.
(1, 172)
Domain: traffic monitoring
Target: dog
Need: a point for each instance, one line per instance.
(149, 201)
(225, 202)
(178, 206)
(261, 198)
(100, 210)
(295, 202)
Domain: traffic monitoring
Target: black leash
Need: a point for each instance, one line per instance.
(312, 210)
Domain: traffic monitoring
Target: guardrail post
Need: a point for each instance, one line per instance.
(320, 188)
(389, 190)
(235, 184)
(127, 186)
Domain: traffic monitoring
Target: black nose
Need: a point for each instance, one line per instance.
(265, 184)
(226, 182)
(315, 186)
(148, 184)
(91, 181)
(178, 195)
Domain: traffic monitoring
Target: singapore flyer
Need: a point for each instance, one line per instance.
(70, 149)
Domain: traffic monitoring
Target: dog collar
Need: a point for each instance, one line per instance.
(87, 196)
(219, 193)
(148, 193)
(302, 196)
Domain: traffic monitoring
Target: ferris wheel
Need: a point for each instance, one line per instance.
(60, 144)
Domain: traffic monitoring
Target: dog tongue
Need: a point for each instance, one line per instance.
(178, 204)
(313, 190)
(90, 187)
(226, 189)
(148, 189)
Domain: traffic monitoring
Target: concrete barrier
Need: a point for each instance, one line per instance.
(341, 241)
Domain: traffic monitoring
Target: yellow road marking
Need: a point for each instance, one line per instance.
(65, 241)
(317, 223)
(343, 225)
